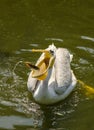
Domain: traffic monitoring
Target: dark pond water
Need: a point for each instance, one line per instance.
(27, 24)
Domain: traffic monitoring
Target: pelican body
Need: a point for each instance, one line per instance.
(54, 80)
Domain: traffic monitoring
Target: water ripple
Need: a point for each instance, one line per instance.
(87, 49)
(26, 50)
(34, 45)
(54, 39)
(87, 38)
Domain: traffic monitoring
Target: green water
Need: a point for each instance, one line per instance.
(27, 24)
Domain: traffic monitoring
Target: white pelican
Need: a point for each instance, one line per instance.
(51, 79)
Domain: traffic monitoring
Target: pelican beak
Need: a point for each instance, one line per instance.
(39, 50)
(46, 52)
(30, 65)
(44, 64)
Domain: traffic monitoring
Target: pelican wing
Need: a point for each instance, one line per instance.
(62, 70)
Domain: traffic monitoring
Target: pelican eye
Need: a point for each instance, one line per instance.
(52, 52)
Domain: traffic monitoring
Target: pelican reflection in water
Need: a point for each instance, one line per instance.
(51, 79)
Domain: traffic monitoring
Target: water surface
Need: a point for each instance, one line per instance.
(28, 24)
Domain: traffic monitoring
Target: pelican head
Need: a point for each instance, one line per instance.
(51, 78)
(46, 61)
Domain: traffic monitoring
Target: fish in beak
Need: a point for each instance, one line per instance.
(40, 70)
